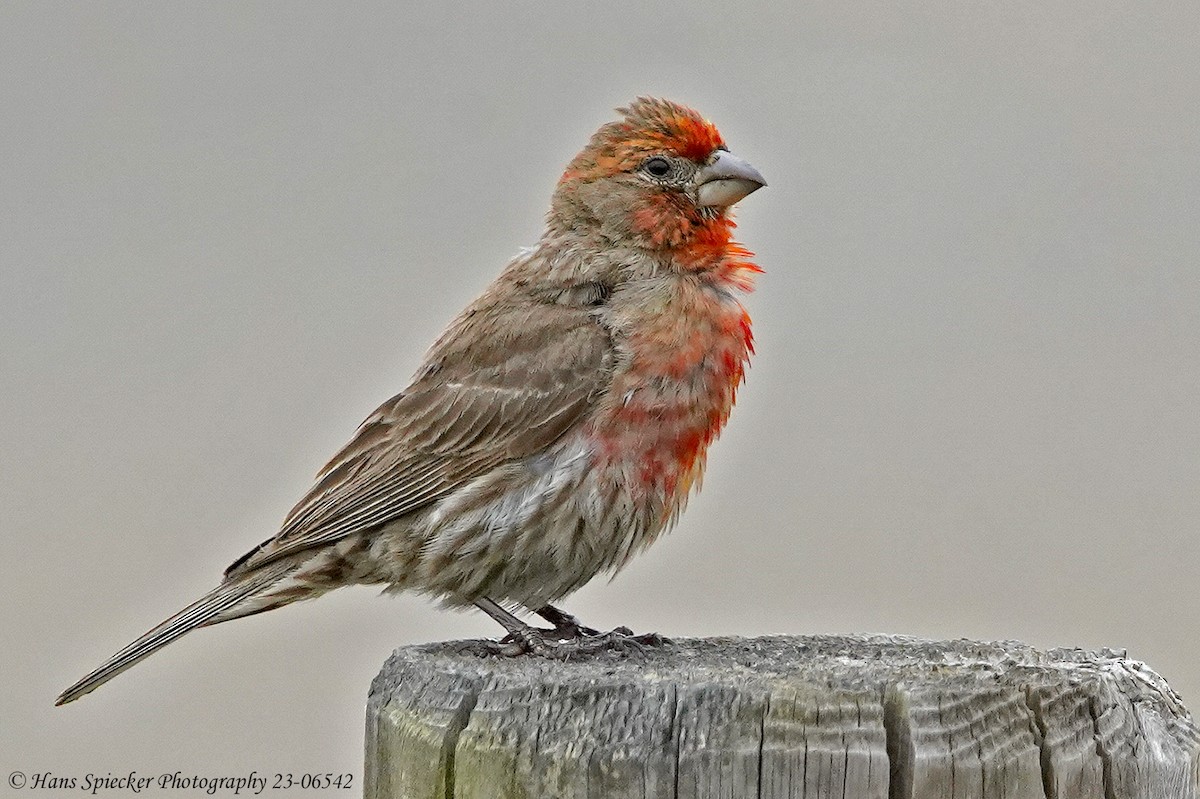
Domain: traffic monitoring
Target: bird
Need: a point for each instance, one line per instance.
(558, 425)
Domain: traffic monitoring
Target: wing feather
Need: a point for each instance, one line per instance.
(529, 379)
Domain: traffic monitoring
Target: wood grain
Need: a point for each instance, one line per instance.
(804, 717)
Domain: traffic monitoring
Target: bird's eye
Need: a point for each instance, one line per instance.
(657, 166)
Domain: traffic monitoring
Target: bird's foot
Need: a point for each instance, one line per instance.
(566, 639)
(567, 642)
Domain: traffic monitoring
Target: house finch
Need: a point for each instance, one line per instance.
(559, 424)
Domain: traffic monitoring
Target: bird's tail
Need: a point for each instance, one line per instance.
(232, 599)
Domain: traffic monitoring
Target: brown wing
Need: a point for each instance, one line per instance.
(503, 383)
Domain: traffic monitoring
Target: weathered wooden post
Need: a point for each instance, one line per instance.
(857, 717)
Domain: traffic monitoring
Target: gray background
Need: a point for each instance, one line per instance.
(228, 232)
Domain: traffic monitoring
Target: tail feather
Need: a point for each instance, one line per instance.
(220, 604)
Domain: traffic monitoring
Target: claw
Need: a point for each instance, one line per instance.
(562, 643)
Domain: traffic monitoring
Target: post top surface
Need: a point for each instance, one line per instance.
(845, 662)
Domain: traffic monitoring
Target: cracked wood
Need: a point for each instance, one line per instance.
(804, 717)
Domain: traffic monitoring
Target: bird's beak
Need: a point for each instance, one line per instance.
(725, 180)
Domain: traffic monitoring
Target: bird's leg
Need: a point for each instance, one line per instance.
(564, 623)
(521, 637)
(505, 619)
